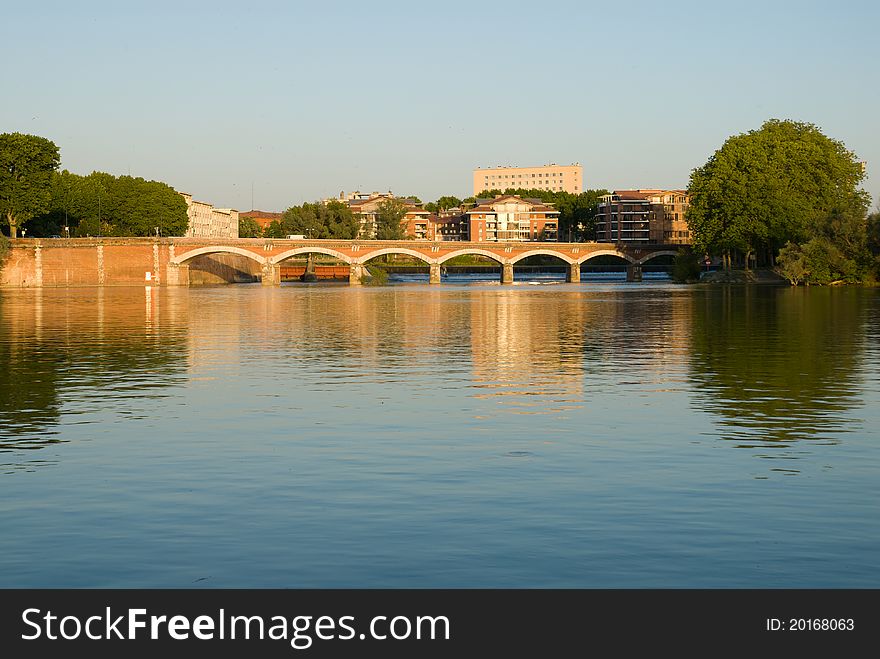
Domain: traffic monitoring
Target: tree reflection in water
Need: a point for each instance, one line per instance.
(779, 365)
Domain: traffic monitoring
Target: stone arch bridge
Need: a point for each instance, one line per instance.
(166, 261)
(271, 253)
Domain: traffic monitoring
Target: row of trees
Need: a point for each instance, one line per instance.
(332, 220)
(786, 195)
(101, 204)
(38, 199)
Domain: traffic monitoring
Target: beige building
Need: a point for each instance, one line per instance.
(205, 221)
(553, 177)
(668, 225)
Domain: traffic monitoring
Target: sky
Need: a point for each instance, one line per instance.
(266, 105)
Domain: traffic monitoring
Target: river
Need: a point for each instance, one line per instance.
(592, 435)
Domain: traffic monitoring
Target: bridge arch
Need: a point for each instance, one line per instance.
(652, 255)
(275, 260)
(543, 252)
(605, 252)
(180, 259)
(469, 252)
(396, 250)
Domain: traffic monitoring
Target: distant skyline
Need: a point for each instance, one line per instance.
(299, 101)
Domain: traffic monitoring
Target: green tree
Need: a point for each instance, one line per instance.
(333, 220)
(791, 263)
(769, 186)
(873, 242)
(105, 205)
(275, 230)
(389, 220)
(248, 228)
(447, 202)
(26, 166)
(826, 264)
(145, 208)
(686, 266)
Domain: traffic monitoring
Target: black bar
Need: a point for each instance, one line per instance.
(493, 622)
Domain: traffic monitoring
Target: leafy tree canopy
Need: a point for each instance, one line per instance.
(248, 228)
(101, 204)
(27, 163)
(317, 220)
(389, 220)
(782, 182)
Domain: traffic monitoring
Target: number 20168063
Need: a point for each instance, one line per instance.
(810, 625)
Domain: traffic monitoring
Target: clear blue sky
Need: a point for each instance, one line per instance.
(299, 100)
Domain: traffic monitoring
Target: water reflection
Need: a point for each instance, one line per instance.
(778, 365)
(86, 353)
(772, 366)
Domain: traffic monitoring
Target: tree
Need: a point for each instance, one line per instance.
(873, 241)
(26, 166)
(318, 220)
(389, 220)
(686, 266)
(145, 208)
(101, 204)
(791, 264)
(769, 186)
(446, 202)
(248, 228)
(274, 230)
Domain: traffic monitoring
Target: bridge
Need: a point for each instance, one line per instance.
(167, 261)
(270, 254)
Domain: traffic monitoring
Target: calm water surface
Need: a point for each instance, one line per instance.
(462, 435)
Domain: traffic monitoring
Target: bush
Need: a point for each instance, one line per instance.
(374, 276)
(791, 263)
(826, 264)
(686, 266)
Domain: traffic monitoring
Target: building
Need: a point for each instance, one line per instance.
(451, 225)
(624, 216)
(366, 208)
(552, 177)
(510, 218)
(643, 216)
(668, 225)
(205, 221)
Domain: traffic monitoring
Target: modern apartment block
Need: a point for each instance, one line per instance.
(553, 177)
(643, 216)
(205, 221)
(624, 216)
(508, 218)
